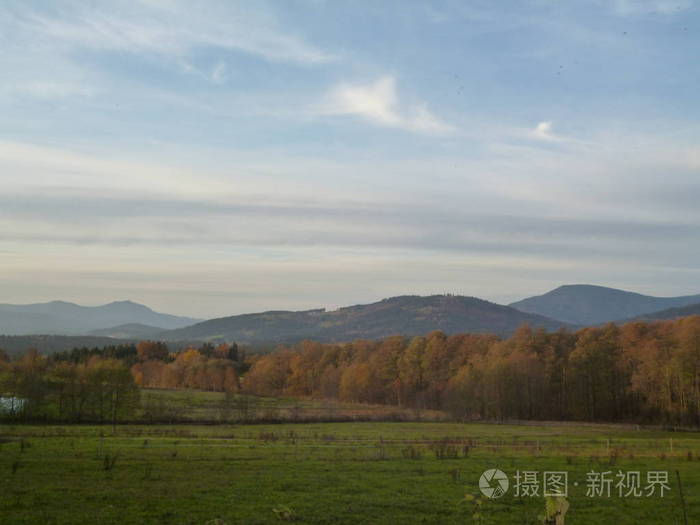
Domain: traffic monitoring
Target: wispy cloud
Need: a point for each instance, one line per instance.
(378, 102)
(538, 206)
(169, 29)
(219, 73)
(167, 145)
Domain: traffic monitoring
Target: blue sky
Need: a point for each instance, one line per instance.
(213, 158)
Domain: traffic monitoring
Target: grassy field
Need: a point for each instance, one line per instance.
(192, 405)
(355, 472)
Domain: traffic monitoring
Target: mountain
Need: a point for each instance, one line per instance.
(406, 315)
(59, 317)
(128, 331)
(670, 313)
(584, 304)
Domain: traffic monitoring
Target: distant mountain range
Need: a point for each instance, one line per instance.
(62, 318)
(405, 315)
(570, 306)
(584, 304)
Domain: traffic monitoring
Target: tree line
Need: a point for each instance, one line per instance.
(99, 389)
(103, 385)
(642, 371)
(207, 368)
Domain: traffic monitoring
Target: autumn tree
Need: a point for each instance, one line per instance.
(152, 350)
(269, 375)
(226, 351)
(410, 371)
(687, 368)
(354, 383)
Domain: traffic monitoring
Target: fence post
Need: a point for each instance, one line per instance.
(680, 491)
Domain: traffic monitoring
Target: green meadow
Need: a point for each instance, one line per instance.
(343, 472)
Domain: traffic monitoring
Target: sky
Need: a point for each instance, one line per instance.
(212, 158)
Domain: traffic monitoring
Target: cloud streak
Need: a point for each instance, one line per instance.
(172, 30)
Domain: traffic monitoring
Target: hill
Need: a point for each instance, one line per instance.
(583, 304)
(128, 331)
(670, 313)
(406, 315)
(59, 317)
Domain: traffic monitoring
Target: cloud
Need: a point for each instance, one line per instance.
(167, 29)
(379, 103)
(219, 73)
(155, 169)
(557, 212)
(544, 131)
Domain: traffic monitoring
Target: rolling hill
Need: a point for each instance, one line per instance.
(670, 313)
(406, 315)
(583, 304)
(128, 331)
(62, 318)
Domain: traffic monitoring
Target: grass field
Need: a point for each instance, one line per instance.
(192, 405)
(356, 472)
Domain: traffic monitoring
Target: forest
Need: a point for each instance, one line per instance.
(103, 385)
(636, 372)
(641, 371)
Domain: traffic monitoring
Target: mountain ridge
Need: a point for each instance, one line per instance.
(669, 313)
(586, 304)
(405, 315)
(66, 318)
(568, 306)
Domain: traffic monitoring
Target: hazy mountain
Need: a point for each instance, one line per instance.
(670, 313)
(406, 315)
(584, 304)
(59, 317)
(128, 331)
